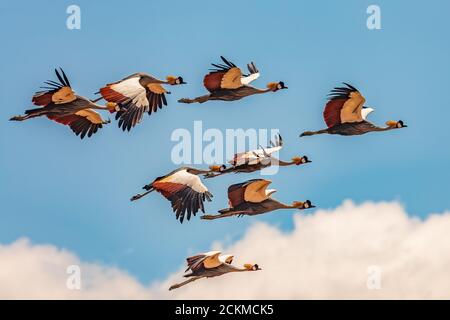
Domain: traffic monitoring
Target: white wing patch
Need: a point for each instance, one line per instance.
(251, 157)
(188, 179)
(211, 253)
(132, 89)
(250, 78)
(365, 112)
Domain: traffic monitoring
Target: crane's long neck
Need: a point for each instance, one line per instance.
(282, 163)
(237, 269)
(280, 205)
(157, 81)
(258, 91)
(97, 107)
(200, 171)
(383, 128)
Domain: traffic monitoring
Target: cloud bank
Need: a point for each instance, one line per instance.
(327, 255)
(29, 271)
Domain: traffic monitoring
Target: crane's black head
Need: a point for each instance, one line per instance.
(300, 160)
(175, 80)
(303, 205)
(256, 267)
(216, 168)
(281, 85)
(252, 267)
(275, 86)
(305, 159)
(307, 204)
(400, 124)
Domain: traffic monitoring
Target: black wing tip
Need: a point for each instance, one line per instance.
(349, 85)
(341, 92)
(62, 79)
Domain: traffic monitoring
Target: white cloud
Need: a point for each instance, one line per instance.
(326, 255)
(30, 271)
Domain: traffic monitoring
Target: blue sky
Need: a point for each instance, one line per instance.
(58, 189)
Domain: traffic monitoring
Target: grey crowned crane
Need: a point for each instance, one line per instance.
(211, 264)
(183, 188)
(256, 160)
(345, 114)
(252, 198)
(58, 102)
(136, 94)
(227, 82)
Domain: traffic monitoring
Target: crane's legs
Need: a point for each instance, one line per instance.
(20, 118)
(223, 215)
(178, 285)
(140, 195)
(198, 99)
(311, 133)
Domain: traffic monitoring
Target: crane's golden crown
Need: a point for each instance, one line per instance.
(297, 160)
(273, 86)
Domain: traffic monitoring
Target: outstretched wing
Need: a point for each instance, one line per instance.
(134, 99)
(223, 76)
(55, 92)
(83, 122)
(250, 191)
(132, 114)
(207, 260)
(185, 191)
(344, 106)
(254, 156)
